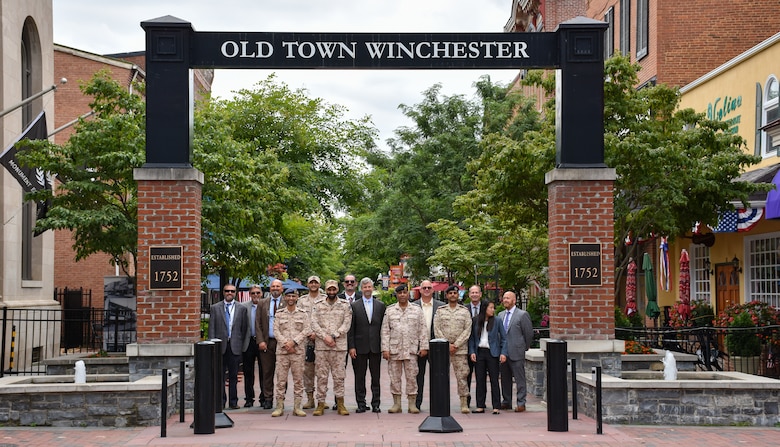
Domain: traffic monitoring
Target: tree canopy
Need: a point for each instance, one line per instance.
(277, 166)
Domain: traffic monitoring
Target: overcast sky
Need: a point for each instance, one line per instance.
(106, 27)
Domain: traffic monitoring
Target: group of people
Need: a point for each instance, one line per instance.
(312, 337)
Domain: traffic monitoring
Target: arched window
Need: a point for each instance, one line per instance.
(771, 112)
(31, 83)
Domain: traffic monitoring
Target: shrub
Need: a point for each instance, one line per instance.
(743, 343)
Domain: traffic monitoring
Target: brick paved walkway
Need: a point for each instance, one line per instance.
(256, 427)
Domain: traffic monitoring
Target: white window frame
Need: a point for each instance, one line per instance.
(609, 34)
(701, 284)
(642, 28)
(761, 268)
(770, 148)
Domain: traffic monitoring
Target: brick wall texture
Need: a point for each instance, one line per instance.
(169, 214)
(577, 211)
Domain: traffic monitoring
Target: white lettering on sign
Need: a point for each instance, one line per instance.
(378, 50)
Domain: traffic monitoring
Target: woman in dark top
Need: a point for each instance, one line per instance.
(487, 348)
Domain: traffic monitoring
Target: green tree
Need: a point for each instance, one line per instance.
(271, 158)
(419, 178)
(674, 166)
(96, 195)
(503, 219)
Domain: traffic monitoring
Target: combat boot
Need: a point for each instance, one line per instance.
(320, 409)
(340, 406)
(396, 408)
(279, 408)
(413, 404)
(309, 403)
(297, 408)
(464, 406)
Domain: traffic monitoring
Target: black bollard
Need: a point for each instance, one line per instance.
(221, 420)
(440, 420)
(204, 388)
(557, 388)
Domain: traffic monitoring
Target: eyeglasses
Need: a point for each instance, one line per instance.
(349, 281)
(255, 293)
(230, 291)
(426, 288)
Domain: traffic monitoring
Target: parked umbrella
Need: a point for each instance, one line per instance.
(631, 288)
(651, 292)
(684, 307)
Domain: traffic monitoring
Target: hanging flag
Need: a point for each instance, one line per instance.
(748, 218)
(663, 274)
(727, 222)
(31, 179)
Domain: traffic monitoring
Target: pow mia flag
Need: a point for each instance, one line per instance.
(31, 179)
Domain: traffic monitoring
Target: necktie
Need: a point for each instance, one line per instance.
(275, 306)
(227, 318)
(369, 309)
(474, 310)
(507, 315)
(254, 312)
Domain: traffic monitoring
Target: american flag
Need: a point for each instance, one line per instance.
(727, 222)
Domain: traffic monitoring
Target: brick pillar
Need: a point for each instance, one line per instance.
(580, 207)
(169, 214)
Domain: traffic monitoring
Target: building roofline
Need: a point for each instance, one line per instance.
(732, 63)
(108, 60)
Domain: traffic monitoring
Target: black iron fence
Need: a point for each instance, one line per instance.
(32, 335)
(712, 348)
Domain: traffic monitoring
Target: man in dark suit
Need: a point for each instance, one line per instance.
(266, 339)
(229, 322)
(474, 304)
(519, 335)
(365, 344)
(429, 306)
(252, 352)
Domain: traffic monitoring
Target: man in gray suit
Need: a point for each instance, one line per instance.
(229, 322)
(429, 306)
(519, 335)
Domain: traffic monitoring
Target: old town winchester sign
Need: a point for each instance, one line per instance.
(576, 48)
(420, 51)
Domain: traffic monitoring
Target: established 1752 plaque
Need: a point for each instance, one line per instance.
(584, 264)
(165, 267)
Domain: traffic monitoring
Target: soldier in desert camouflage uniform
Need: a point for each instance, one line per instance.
(404, 337)
(306, 303)
(453, 323)
(331, 319)
(291, 325)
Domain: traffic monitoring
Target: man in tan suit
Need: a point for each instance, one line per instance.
(266, 339)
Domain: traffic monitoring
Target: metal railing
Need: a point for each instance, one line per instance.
(32, 335)
(708, 344)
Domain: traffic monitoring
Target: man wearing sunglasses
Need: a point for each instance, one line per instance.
(429, 306)
(229, 322)
(350, 289)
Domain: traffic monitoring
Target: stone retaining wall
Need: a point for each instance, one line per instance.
(734, 399)
(93, 404)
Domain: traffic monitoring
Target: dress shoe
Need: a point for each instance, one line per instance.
(375, 410)
(520, 409)
(248, 405)
(267, 405)
(361, 409)
(234, 407)
(506, 407)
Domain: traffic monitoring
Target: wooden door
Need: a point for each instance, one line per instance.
(726, 286)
